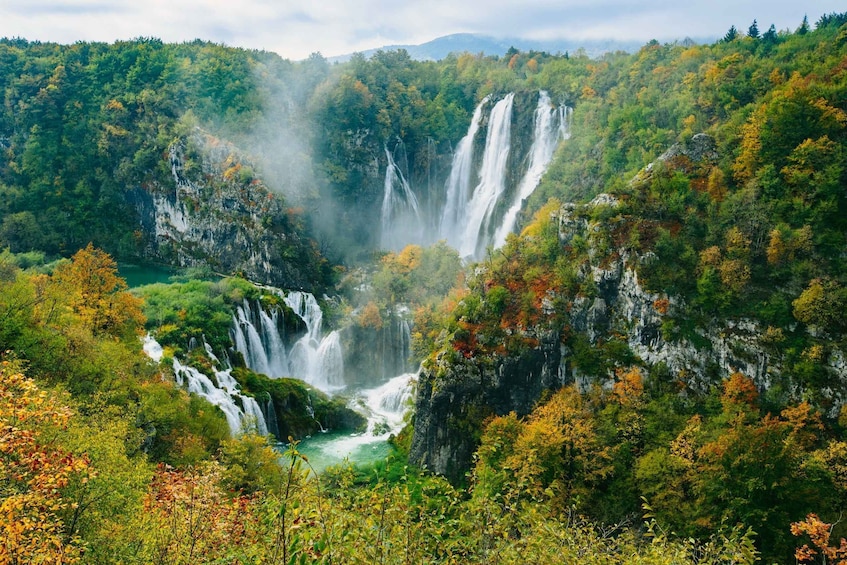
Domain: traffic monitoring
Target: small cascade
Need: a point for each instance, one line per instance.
(308, 309)
(270, 416)
(311, 410)
(459, 182)
(551, 125)
(396, 344)
(241, 412)
(262, 347)
(401, 219)
(314, 358)
(152, 348)
(388, 403)
(492, 179)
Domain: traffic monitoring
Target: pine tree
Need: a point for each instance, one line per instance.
(753, 30)
(770, 35)
(731, 35)
(804, 27)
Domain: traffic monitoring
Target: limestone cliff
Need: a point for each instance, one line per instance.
(215, 211)
(457, 393)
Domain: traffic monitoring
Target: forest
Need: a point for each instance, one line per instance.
(650, 369)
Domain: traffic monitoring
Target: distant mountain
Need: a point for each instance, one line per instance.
(440, 47)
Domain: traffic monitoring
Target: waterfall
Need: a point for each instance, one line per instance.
(308, 310)
(152, 348)
(270, 416)
(492, 179)
(551, 126)
(263, 347)
(458, 184)
(401, 220)
(241, 412)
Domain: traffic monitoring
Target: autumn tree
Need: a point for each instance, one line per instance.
(96, 293)
(33, 472)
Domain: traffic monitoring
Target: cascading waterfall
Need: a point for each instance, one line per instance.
(263, 351)
(241, 412)
(401, 219)
(315, 359)
(491, 179)
(551, 125)
(459, 182)
(270, 415)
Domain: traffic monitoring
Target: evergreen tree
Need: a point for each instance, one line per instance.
(753, 30)
(770, 35)
(731, 35)
(804, 27)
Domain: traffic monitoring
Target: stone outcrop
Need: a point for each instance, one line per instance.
(456, 394)
(214, 212)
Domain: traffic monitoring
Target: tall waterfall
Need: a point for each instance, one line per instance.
(551, 125)
(242, 412)
(491, 179)
(401, 219)
(459, 182)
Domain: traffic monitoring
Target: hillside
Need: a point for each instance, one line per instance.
(457, 43)
(635, 352)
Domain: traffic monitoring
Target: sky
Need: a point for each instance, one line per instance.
(295, 29)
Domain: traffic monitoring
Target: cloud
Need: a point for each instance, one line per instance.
(296, 29)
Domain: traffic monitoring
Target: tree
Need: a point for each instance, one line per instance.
(822, 304)
(731, 35)
(770, 35)
(33, 470)
(753, 30)
(804, 26)
(97, 294)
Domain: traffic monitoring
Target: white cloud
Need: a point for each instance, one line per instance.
(295, 29)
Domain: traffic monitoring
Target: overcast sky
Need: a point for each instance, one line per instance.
(334, 27)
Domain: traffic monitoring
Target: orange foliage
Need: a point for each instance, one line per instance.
(819, 533)
(94, 291)
(739, 389)
(32, 473)
(370, 316)
(628, 389)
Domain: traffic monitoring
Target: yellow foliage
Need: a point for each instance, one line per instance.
(91, 288)
(370, 316)
(628, 389)
(735, 274)
(32, 473)
(711, 256)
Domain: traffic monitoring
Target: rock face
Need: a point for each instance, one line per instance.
(215, 213)
(456, 394)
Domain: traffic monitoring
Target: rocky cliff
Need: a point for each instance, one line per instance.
(457, 393)
(215, 211)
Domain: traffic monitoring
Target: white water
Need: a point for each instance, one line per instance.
(401, 219)
(264, 352)
(459, 182)
(152, 348)
(315, 359)
(384, 407)
(242, 412)
(492, 179)
(551, 126)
